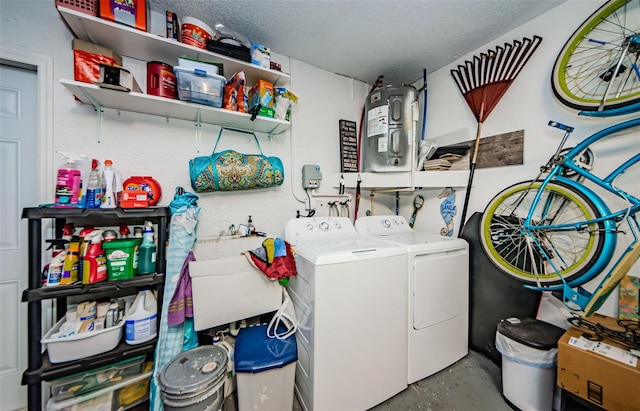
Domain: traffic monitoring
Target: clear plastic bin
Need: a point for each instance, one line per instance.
(96, 379)
(124, 395)
(199, 86)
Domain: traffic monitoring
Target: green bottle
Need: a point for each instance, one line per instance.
(147, 251)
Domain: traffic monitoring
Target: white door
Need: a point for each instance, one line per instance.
(18, 188)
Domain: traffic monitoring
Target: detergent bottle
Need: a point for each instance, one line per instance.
(70, 264)
(108, 182)
(147, 251)
(141, 318)
(94, 262)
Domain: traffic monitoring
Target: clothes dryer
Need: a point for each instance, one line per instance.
(438, 303)
(350, 301)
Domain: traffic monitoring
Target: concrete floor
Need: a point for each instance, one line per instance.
(473, 383)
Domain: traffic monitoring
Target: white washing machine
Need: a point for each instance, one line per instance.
(350, 301)
(438, 275)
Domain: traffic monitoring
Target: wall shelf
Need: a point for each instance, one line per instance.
(410, 180)
(160, 106)
(141, 45)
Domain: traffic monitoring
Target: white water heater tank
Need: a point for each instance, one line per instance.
(390, 139)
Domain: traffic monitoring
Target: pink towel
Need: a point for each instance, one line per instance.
(181, 304)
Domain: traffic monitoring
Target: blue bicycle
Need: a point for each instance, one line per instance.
(555, 233)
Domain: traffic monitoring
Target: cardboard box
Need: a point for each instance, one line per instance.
(131, 12)
(595, 377)
(77, 44)
(87, 58)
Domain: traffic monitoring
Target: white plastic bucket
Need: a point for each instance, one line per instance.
(195, 32)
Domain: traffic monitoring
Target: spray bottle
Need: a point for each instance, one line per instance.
(94, 262)
(68, 182)
(70, 264)
(147, 251)
(94, 187)
(52, 272)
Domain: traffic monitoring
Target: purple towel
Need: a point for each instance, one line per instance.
(181, 304)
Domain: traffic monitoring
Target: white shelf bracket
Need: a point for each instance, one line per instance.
(198, 129)
(98, 107)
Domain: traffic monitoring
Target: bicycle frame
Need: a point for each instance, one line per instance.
(608, 218)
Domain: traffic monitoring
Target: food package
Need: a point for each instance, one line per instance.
(235, 96)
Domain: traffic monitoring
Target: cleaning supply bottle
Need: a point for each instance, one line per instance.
(124, 231)
(147, 251)
(141, 319)
(251, 229)
(70, 264)
(94, 187)
(67, 184)
(94, 262)
(52, 273)
(109, 199)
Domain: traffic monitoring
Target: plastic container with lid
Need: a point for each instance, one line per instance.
(199, 87)
(265, 369)
(195, 32)
(95, 379)
(121, 257)
(529, 349)
(194, 380)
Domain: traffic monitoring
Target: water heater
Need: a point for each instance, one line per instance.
(389, 132)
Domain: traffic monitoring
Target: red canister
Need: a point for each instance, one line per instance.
(160, 80)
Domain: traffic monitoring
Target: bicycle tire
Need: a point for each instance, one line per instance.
(587, 63)
(573, 252)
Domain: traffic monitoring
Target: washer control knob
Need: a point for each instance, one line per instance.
(309, 227)
(337, 225)
(386, 223)
(324, 226)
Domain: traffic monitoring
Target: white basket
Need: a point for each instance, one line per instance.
(81, 345)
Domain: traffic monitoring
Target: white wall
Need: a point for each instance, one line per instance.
(529, 104)
(147, 145)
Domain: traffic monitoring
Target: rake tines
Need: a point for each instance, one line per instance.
(484, 80)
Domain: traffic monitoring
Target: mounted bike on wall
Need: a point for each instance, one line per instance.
(556, 233)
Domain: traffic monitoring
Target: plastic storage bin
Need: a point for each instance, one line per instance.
(121, 257)
(265, 369)
(194, 380)
(529, 349)
(121, 396)
(199, 86)
(81, 345)
(96, 379)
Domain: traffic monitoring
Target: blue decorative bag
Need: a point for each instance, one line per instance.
(231, 171)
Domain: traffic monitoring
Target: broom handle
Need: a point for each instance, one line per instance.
(472, 170)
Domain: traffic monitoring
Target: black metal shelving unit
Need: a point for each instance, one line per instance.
(39, 368)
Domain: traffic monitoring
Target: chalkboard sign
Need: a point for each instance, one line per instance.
(348, 146)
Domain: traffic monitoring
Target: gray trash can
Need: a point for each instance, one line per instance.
(529, 349)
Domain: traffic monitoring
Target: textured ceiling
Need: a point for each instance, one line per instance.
(365, 39)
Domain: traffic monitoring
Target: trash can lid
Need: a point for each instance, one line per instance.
(531, 332)
(193, 370)
(255, 352)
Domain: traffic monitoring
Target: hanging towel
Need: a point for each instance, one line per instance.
(275, 259)
(182, 236)
(181, 304)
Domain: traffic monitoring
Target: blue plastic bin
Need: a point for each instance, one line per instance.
(265, 369)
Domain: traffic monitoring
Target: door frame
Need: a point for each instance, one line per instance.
(43, 65)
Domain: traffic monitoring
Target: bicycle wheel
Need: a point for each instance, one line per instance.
(597, 69)
(522, 255)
